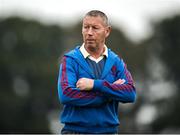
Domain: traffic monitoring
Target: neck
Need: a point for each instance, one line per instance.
(95, 52)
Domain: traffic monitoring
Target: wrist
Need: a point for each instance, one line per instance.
(97, 85)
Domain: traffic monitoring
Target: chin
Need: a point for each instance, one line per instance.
(91, 46)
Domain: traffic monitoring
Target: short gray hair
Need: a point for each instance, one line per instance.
(96, 13)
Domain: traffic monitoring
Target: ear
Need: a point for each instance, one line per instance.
(108, 31)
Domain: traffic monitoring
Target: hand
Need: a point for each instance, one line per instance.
(85, 84)
(119, 81)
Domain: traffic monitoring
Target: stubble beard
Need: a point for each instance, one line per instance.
(92, 47)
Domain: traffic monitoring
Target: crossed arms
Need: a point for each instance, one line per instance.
(87, 84)
(89, 92)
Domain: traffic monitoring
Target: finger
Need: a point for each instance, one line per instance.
(123, 81)
(116, 82)
(119, 81)
(78, 84)
(79, 81)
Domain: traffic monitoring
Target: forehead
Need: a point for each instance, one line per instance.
(93, 20)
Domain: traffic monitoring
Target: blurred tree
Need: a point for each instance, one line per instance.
(167, 41)
(29, 54)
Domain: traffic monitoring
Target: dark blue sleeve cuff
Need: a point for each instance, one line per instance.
(97, 85)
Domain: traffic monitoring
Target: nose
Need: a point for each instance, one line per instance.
(90, 31)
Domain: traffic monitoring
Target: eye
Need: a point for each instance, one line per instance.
(95, 27)
(86, 27)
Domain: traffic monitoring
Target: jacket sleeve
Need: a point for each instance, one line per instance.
(67, 91)
(124, 93)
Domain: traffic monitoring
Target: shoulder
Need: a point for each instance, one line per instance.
(114, 55)
(116, 58)
(73, 52)
(69, 56)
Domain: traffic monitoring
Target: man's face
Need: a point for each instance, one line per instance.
(94, 31)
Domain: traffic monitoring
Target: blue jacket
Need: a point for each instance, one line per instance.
(94, 111)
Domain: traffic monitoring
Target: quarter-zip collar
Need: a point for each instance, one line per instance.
(79, 58)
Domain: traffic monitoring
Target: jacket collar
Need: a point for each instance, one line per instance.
(86, 54)
(78, 56)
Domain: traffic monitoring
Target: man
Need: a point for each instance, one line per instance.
(92, 81)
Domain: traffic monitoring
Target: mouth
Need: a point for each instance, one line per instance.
(90, 40)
